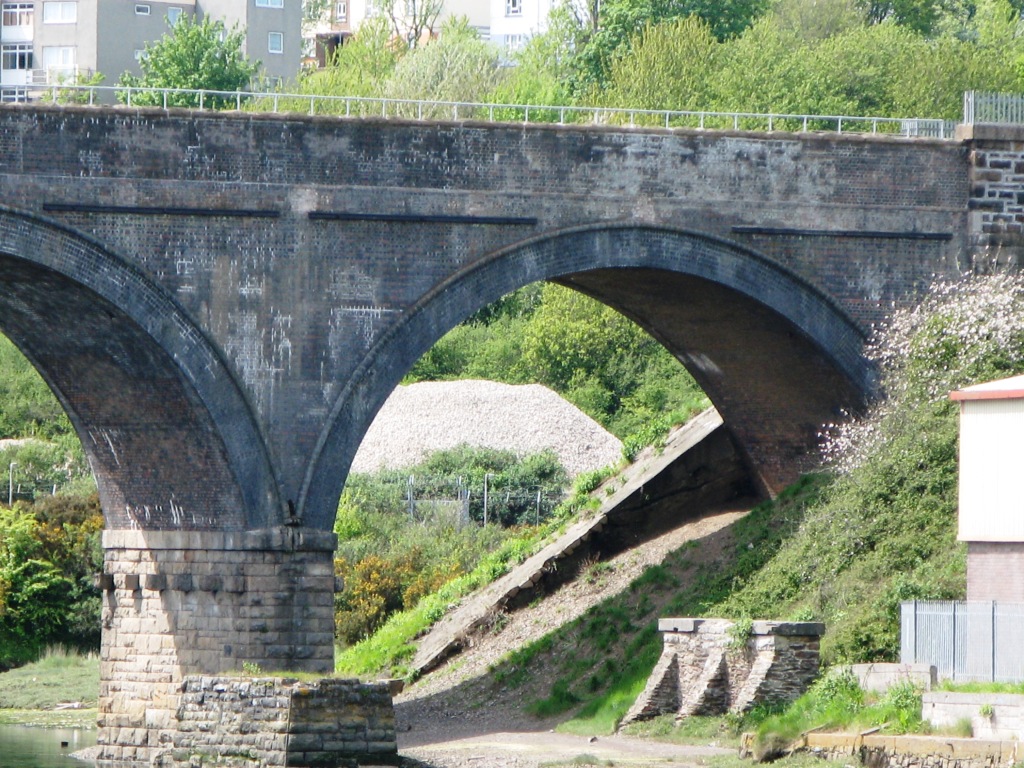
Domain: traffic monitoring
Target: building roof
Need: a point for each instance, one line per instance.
(1003, 389)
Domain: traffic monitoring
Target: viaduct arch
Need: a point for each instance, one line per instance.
(138, 380)
(223, 301)
(776, 356)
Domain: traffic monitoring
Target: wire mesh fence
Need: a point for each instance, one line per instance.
(966, 641)
(463, 501)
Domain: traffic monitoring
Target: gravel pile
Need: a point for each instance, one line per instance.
(433, 415)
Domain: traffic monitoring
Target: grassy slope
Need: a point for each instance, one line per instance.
(794, 558)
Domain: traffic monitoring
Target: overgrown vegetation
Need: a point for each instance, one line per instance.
(394, 550)
(836, 701)
(392, 645)
(48, 554)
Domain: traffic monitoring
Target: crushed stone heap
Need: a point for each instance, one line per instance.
(434, 415)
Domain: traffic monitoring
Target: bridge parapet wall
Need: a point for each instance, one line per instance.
(179, 603)
(996, 203)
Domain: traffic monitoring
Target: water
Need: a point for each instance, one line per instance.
(23, 747)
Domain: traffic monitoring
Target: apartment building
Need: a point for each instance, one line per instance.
(51, 41)
(513, 22)
(345, 16)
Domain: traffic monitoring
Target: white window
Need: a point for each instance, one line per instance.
(513, 7)
(60, 12)
(18, 14)
(59, 60)
(514, 42)
(341, 11)
(275, 42)
(270, 3)
(16, 56)
(141, 9)
(173, 14)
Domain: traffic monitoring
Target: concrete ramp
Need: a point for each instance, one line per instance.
(699, 468)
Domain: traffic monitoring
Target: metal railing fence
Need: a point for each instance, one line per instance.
(966, 641)
(984, 107)
(412, 109)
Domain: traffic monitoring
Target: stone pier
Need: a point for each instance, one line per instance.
(708, 668)
(180, 603)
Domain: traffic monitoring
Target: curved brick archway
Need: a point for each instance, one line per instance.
(777, 357)
(168, 434)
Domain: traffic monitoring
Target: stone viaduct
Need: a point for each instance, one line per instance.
(222, 302)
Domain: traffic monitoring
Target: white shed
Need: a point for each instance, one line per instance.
(991, 497)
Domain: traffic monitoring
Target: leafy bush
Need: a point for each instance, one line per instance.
(48, 555)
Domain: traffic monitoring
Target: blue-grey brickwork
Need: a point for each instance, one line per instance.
(223, 301)
(303, 254)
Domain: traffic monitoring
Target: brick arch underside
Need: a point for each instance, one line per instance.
(137, 381)
(776, 356)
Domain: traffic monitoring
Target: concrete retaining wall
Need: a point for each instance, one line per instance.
(992, 715)
(880, 677)
(914, 751)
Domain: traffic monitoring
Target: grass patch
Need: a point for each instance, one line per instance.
(836, 702)
(41, 718)
(59, 677)
(980, 687)
(715, 731)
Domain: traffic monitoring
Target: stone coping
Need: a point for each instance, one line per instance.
(282, 539)
(989, 131)
(786, 628)
(979, 699)
(1003, 752)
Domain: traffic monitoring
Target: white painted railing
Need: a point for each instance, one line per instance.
(410, 109)
(983, 107)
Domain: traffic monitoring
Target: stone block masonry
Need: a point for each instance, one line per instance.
(181, 603)
(705, 669)
(234, 722)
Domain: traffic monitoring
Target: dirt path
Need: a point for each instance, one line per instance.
(531, 749)
(455, 717)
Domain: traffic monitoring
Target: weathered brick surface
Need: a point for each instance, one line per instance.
(285, 271)
(993, 571)
(703, 672)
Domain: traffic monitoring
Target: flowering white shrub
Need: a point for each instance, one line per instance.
(963, 332)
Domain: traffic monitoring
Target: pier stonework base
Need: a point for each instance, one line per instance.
(233, 722)
(706, 669)
(180, 603)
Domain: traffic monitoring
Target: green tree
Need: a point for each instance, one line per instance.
(457, 66)
(621, 21)
(361, 67)
(669, 66)
(194, 55)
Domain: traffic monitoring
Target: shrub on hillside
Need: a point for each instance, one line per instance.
(885, 530)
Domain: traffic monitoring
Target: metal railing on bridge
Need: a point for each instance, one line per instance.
(412, 109)
(979, 641)
(984, 107)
